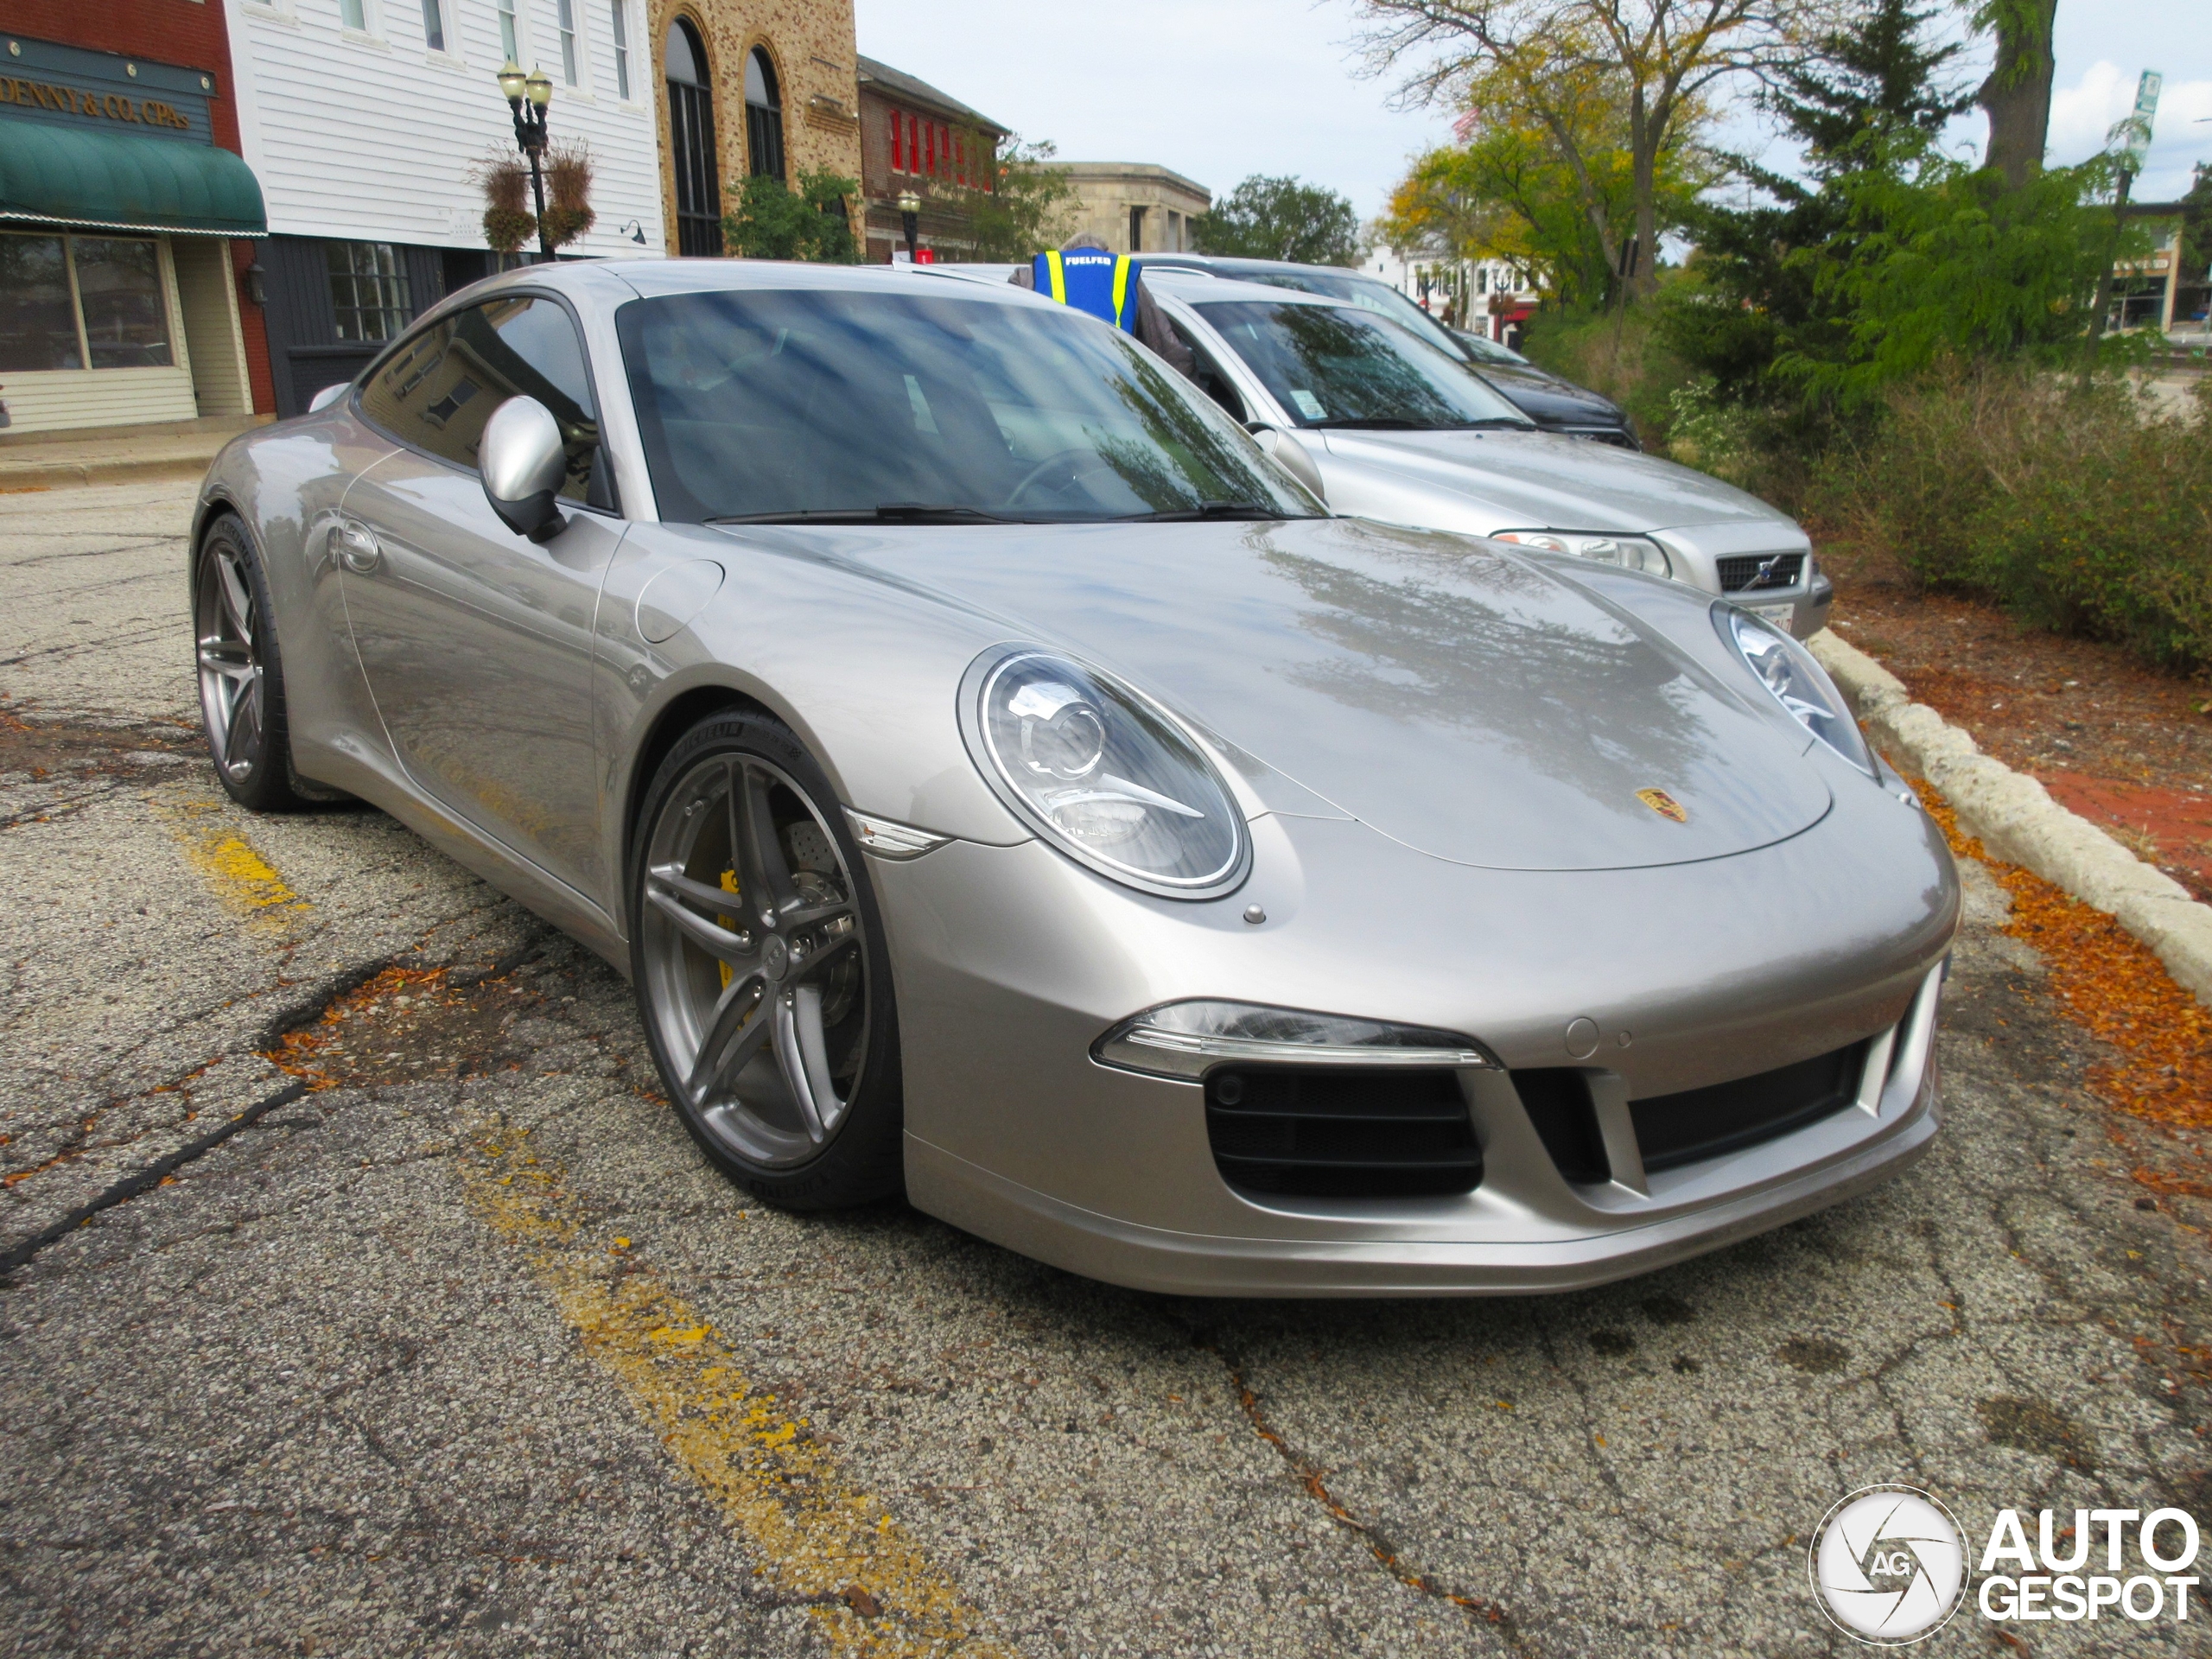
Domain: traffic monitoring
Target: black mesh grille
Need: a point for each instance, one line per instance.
(1698, 1123)
(1743, 572)
(1326, 1132)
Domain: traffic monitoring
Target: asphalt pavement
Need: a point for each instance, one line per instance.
(463, 1349)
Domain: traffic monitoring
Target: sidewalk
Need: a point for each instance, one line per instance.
(114, 455)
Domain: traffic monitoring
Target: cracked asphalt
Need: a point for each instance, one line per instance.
(465, 1350)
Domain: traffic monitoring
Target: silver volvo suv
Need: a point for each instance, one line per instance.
(1385, 426)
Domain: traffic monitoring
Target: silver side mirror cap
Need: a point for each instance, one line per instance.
(1288, 453)
(523, 464)
(328, 396)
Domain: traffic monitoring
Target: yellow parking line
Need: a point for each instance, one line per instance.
(241, 879)
(820, 1538)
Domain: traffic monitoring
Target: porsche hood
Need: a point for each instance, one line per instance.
(1453, 694)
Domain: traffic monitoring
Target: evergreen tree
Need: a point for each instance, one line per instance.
(1867, 86)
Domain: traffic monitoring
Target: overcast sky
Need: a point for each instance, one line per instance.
(1222, 89)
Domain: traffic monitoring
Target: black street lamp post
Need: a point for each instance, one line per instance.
(527, 95)
(910, 212)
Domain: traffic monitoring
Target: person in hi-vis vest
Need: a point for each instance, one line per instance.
(1089, 279)
(1084, 272)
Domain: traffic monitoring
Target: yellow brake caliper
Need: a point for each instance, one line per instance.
(729, 884)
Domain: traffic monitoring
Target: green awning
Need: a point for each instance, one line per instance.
(121, 180)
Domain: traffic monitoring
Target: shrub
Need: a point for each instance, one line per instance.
(2080, 509)
(1620, 356)
(773, 222)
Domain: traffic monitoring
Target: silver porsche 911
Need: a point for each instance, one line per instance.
(1000, 782)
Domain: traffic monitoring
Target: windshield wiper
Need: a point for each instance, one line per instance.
(890, 513)
(1251, 510)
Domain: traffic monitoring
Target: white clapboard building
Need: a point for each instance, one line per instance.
(366, 122)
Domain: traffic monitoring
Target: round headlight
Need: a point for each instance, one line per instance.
(1103, 773)
(1797, 682)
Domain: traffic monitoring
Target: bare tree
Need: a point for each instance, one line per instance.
(1663, 53)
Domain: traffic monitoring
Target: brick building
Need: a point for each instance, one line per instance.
(751, 87)
(127, 215)
(915, 139)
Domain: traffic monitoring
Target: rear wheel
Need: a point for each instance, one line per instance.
(760, 972)
(241, 676)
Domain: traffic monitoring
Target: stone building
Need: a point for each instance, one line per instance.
(749, 86)
(1136, 207)
(916, 140)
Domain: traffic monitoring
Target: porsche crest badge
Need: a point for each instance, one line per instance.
(1665, 804)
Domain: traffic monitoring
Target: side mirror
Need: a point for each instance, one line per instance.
(524, 465)
(1289, 453)
(328, 396)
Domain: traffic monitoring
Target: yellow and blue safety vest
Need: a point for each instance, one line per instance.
(1090, 279)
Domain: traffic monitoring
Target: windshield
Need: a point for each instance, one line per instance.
(1368, 295)
(837, 403)
(1329, 366)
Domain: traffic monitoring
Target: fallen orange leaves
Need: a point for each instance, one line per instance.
(2108, 981)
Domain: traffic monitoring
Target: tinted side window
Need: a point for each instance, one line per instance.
(439, 388)
(1207, 372)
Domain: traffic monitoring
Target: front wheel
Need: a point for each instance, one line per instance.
(241, 676)
(760, 971)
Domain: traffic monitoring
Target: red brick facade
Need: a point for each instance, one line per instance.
(189, 33)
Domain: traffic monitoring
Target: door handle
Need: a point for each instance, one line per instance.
(357, 547)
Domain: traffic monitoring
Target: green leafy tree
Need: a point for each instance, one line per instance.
(1546, 183)
(1029, 207)
(1281, 219)
(1939, 259)
(771, 221)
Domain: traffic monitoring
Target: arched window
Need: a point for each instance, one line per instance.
(691, 144)
(764, 116)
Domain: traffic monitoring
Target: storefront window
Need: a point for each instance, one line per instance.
(115, 313)
(38, 323)
(368, 290)
(119, 287)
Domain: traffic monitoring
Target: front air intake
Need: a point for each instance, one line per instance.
(1699, 1123)
(1340, 1132)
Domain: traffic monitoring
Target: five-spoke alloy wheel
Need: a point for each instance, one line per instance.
(241, 684)
(759, 969)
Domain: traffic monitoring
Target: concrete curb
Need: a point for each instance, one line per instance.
(121, 469)
(2015, 818)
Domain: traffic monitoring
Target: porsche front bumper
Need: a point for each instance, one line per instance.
(1009, 963)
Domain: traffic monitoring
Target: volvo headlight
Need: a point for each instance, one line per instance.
(1797, 682)
(1630, 552)
(1102, 773)
(1186, 1039)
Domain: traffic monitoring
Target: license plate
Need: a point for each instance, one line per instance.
(1781, 615)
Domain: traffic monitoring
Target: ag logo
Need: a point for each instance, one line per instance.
(1665, 804)
(1888, 1565)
